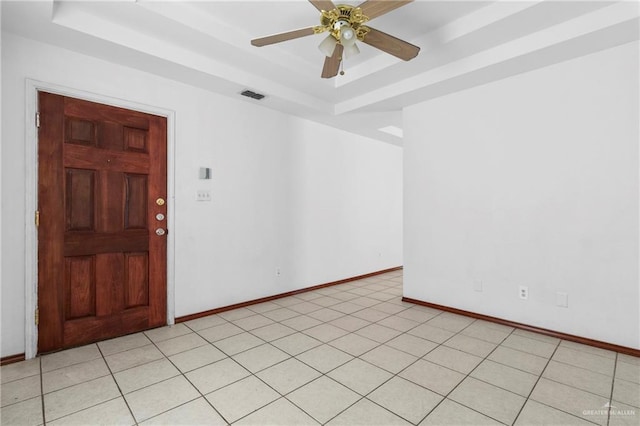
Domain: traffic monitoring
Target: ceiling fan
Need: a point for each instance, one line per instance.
(344, 24)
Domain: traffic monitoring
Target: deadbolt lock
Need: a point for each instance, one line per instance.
(160, 201)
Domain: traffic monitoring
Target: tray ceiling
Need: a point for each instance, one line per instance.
(207, 44)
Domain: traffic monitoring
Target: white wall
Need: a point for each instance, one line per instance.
(531, 180)
(319, 203)
(324, 170)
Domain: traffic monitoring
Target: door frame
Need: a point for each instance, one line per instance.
(31, 195)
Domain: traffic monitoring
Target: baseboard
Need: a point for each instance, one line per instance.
(539, 330)
(280, 296)
(11, 359)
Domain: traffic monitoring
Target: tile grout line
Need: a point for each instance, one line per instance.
(281, 396)
(113, 377)
(384, 343)
(584, 369)
(613, 383)
(361, 397)
(325, 374)
(109, 374)
(290, 356)
(338, 301)
(445, 397)
(574, 387)
(44, 420)
(211, 343)
(393, 375)
(505, 365)
(537, 380)
(540, 377)
(181, 373)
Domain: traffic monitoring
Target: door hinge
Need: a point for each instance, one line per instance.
(37, 218)
(37, 119)
(37, 316)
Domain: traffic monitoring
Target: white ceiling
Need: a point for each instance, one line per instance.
(207, 44)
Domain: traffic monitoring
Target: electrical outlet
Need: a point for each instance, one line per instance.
(562, 299)
(203, 195)
(524, 292)
(278, 272)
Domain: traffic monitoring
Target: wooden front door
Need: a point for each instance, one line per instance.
(101, 198)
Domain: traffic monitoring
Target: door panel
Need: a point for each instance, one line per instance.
(80, 289)
(135, 204)
(136, 280)
(102, 268)
(80, 199)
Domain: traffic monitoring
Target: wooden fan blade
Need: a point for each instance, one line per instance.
(390, 44)
(323, 5)
(332, 63)
(374, 8)
(277, 38)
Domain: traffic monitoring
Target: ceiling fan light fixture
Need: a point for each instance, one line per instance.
(347, 35)
(350, 50)
(328, 45)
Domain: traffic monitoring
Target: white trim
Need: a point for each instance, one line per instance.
(31, 196)
(31, 233)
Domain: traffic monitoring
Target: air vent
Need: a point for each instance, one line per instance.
(252, 95)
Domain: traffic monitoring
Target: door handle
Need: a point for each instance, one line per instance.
(160, 232)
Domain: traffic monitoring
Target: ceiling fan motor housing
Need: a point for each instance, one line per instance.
(344, 15)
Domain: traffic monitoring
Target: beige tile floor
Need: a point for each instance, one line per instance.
(352, 354)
